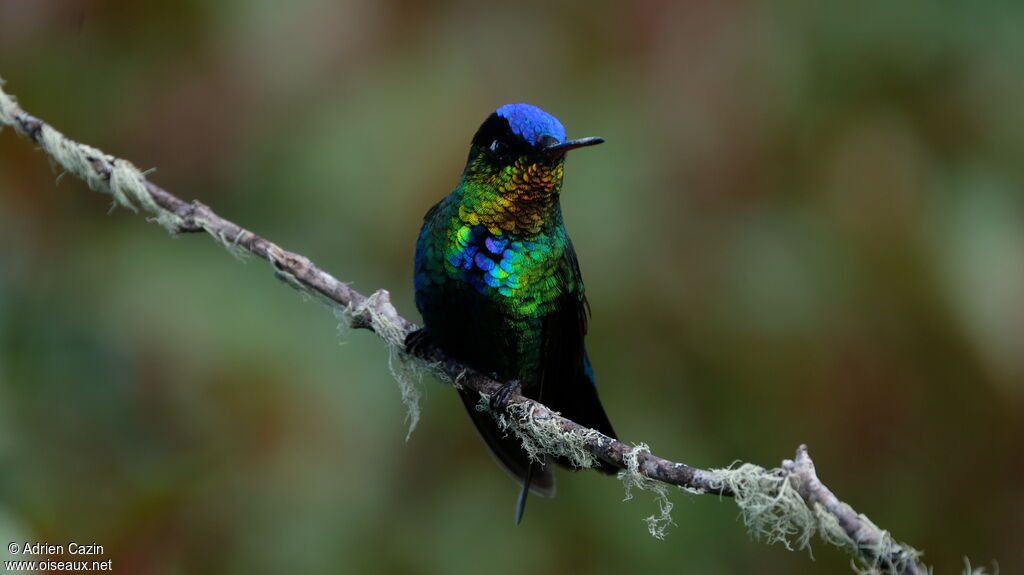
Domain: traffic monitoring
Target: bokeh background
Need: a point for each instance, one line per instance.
(806, 225)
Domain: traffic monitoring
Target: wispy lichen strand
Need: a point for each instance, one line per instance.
(632, 477)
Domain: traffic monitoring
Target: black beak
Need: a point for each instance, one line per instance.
(557, 147)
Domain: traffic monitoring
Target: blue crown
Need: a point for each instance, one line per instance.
(531, 123)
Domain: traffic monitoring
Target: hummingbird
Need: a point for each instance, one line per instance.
(499, 286)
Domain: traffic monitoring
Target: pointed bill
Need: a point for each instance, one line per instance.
(562, 147)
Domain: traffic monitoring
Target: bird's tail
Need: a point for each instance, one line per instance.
(507, 450)
(577, 400)
(521, 503)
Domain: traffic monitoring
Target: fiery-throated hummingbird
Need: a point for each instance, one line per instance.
(499, 287)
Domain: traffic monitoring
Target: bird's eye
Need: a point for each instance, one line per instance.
(499, 149)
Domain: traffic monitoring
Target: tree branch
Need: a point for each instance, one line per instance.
(788, 504)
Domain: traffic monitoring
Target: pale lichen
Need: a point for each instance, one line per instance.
(377, 313)
(631, 477)
(409, 376)
(541, 435)
(770, 505)
(774, 511)
(233, 246)
(968, 570)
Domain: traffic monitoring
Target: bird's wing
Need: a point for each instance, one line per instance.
(567, 382)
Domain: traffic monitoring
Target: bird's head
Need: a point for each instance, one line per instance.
(518, 153)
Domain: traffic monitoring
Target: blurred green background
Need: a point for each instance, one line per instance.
(806, 225)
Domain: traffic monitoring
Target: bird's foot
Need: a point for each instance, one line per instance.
(417, 341)
(499, 401)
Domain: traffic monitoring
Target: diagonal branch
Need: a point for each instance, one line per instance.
(787, 504)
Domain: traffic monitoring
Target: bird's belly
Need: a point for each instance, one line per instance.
(487, 334)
